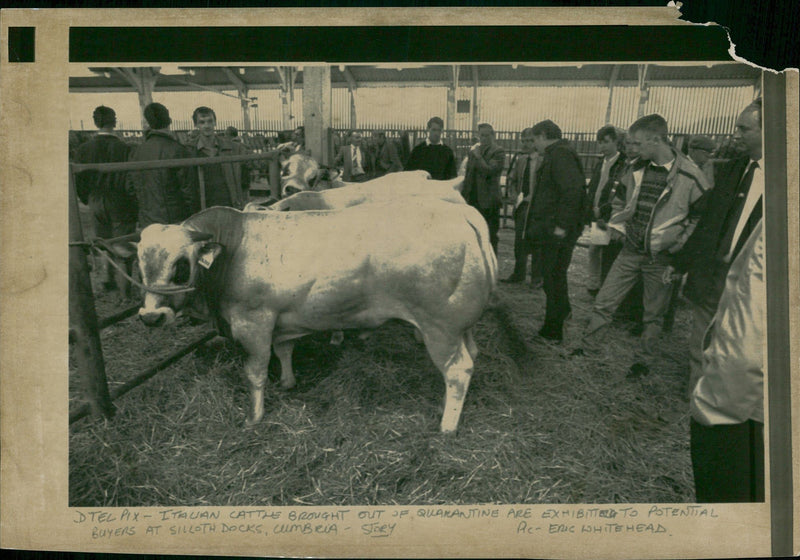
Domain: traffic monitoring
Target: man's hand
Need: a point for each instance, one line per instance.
(601, 224)
(559, 233)
(669, 275)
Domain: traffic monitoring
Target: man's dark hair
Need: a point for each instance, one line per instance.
(548, 129)
(527, 132)
(756, 105)
(379, 133)
(157, 116)
(653, 124)
(435, 120)
(104, 116)
(203, 111)
(608, 131)
(232, 132)
(486, 125)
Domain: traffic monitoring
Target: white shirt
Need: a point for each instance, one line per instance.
(355, 157)
(754, 194)
(429, 143)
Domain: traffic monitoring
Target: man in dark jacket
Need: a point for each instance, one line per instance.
(600, 192)
(384, 155)
(485, 163)
(555, 220)
(731, 210)
(166, 196)
(223, 184)
(113, 208)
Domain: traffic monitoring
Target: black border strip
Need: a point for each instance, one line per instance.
(778, 310)
(398, 44)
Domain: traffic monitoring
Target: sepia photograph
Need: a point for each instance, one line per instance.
(368, 289)
(392, 255)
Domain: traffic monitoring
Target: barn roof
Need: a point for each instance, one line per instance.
(197, 78)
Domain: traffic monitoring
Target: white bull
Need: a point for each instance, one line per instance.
(395, 186)
(424, 261)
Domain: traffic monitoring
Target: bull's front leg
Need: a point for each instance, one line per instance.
(254, 331)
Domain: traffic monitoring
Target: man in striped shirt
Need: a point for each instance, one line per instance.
(655, 212)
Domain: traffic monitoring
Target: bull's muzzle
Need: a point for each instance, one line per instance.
(158, 317)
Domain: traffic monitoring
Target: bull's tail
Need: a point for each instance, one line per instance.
(514, 339)
(478, 225)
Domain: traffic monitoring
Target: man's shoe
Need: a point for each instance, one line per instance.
(512, 280)
(593, 291)
(638, 370)
(552, 334)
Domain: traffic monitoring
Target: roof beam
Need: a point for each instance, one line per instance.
(236, 80)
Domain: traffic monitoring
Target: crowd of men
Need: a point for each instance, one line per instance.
(657, 218)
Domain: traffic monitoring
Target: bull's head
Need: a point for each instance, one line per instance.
(169, 257)
(301, 172)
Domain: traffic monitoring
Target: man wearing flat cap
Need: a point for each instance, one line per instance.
(701, 148)
(166, 196)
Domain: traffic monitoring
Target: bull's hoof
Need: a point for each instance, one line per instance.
(251, 422)
(288, 386)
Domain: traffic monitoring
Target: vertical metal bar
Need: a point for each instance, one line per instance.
(202, 182)
(83, 318)
(774, 125)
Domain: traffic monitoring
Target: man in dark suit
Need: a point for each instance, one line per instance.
(521, 185)
(482, 182)
(732, 208)
(355, 161)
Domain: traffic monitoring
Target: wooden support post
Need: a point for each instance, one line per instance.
(452, 91)
(317, 110)
(475, 100)
(83, 318)
(644, 92)
(144, 80)
(243, 91)
(611, 82)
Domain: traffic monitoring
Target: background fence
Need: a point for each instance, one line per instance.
(458, 140)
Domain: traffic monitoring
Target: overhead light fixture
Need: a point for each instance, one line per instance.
(341, 67)
(107, 75)
(241, 70)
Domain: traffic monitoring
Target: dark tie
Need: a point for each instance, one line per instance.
(526, 177)
(735, 213)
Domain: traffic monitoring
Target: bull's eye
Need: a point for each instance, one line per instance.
(182, 271)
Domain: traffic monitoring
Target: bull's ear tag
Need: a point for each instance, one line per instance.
(208, 254)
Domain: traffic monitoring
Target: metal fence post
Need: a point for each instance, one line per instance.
(83, 317)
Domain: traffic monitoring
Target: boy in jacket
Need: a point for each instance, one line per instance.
(656, 217)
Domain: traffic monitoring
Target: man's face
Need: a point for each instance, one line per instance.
(355, 139)
(699, 155)
(206, 124)
(297, 136)
(377, 139)
(528, 145)
(631, 149)
(540, 142)
(435, 133)
(608, 146)
(748, 133)
(485, 137)
(645, 144)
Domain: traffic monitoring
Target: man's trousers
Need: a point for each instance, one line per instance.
(728, 462)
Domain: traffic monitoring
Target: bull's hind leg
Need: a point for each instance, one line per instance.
(469, 339)
(283, 349)
(452, 357)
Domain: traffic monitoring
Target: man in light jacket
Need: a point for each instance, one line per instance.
(727, 405)
(657, 215)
